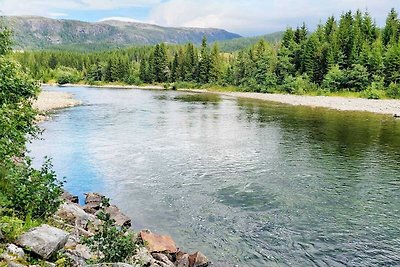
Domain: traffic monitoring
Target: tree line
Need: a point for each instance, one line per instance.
(349, 54)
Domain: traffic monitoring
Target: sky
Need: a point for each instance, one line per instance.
(245, 17)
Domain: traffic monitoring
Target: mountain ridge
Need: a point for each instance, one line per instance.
(35, 32)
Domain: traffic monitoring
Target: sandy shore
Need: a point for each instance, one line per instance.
(48, 101)
(391, 107)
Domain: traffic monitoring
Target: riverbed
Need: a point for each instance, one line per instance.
(248, 182)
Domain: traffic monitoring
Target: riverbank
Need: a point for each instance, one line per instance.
(48, 101)
(82, 236)
(391, 107)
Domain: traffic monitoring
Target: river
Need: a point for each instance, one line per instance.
(246, 182)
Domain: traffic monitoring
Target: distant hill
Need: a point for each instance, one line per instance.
(243, 42)
(32, 32)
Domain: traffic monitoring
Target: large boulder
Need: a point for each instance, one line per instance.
(158, 243)
(73, 214)
(163, 260)
(113, 265)
(15, 250)
(93, 202)
(119, 218)
(182, 259)
(198, 260)
(44, 240)
(68, 197)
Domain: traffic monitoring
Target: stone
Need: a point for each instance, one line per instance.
(15, 250)
(182, 259)
(44, 240)
(113, 265)
(222, 264)
(198, 260)
(74, 214)
(120, 218)
(75, 259)
(93, 202)
(163, 258)
(91, 208)
(14, 264)
(94, 198)
(158, 243)
(143, 257)
(67, 196)
(82, 251)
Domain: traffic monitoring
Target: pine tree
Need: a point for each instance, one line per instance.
(215, 70)
(204, 63)
(391, 31)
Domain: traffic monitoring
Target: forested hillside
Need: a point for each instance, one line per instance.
(349, 54)
(46, 33)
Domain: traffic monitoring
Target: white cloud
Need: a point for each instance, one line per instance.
(125, 19)
(260, 16)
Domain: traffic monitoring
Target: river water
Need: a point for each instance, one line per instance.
(245, 182)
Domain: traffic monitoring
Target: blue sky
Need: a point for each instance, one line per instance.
(246, 17)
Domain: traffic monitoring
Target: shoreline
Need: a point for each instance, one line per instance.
(49, 101)
(378, 106)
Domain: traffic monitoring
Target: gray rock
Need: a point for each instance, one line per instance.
(16, 251)
(82, 251)
(143, 257)
(76, 260)
(74, 214)
(222, 264)
(163, 259)
(44, 240)
(92, 208)
(14, 264)
(120, 218)
(198, 260)
(113, 265)
(94, 198)
(182, 259)
(69, 197)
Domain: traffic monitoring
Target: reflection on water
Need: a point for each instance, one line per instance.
(246, 182)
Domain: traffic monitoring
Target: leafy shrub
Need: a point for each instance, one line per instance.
(297, 85)
(31, 192)
(334, 80)
(67, 75)
(111, 243)
(12, 227)
(376, 89)
(393, 90)
(357, 78)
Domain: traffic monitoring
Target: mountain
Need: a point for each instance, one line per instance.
(243, 42)
(31, 32)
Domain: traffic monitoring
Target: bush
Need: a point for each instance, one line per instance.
(31, 192)
(334, 80)
(376, 89)
(297, 85)
(393, 90)
(12, 227)
(66, 75)
(357, 78)
(111, 243)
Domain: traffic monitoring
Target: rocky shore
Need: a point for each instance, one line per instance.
(380, 106)
(51, 100)
(67, 230)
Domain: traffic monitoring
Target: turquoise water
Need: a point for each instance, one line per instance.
(245, 182)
